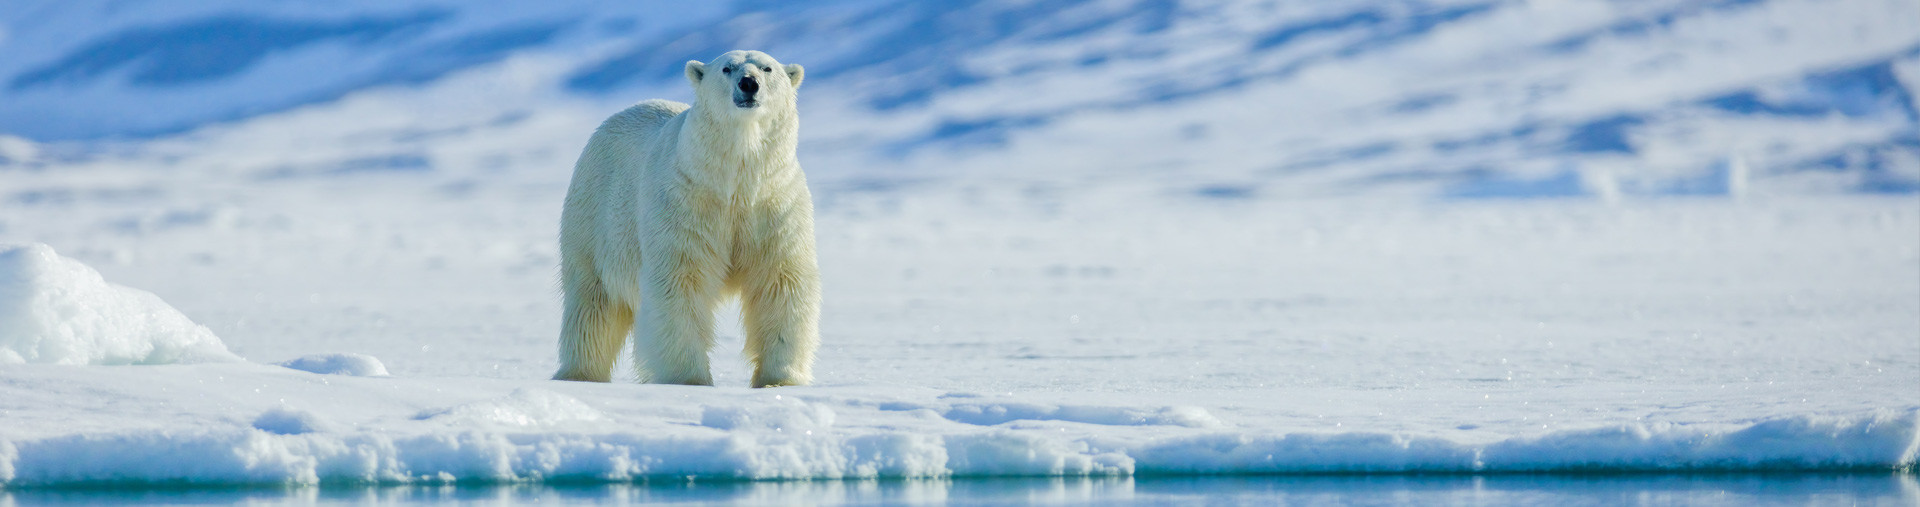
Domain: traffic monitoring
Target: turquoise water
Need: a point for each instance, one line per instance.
(1690, 489)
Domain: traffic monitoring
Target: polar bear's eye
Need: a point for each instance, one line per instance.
(726, 70)
(766, 69)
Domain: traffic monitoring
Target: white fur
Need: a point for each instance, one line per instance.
(673, 209)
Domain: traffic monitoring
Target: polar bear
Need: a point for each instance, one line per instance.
(672, 209)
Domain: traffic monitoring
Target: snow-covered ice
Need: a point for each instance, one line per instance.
(1389, 237)
(983, 331)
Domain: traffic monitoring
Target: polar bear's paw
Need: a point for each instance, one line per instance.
(573, 375)
(781, 380)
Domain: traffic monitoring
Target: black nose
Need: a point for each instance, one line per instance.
(748, 85)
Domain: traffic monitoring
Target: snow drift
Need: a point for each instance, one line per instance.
(57, 310)
(358, 365)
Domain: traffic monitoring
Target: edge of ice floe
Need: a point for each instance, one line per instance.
(1884, 440)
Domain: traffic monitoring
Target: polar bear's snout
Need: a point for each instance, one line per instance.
(743, 93)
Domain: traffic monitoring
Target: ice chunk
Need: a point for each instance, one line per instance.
(289, 421)
(358, 365)
(56, 310)
(1014, 453)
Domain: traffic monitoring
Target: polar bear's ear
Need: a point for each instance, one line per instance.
(795, 72)
(695, 70)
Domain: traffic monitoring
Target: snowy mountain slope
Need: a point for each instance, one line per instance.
(1460, 98)
(102, 68)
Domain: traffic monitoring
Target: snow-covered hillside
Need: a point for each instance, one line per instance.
(1458, 98)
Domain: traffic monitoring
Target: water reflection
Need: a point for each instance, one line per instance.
(1717, 489)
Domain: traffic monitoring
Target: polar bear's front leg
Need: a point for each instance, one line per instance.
(780, 304)
(675, 326)
(783, 327)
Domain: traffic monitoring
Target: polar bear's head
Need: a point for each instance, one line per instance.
(744, 82)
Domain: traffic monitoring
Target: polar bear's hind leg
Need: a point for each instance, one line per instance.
(595, 328)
